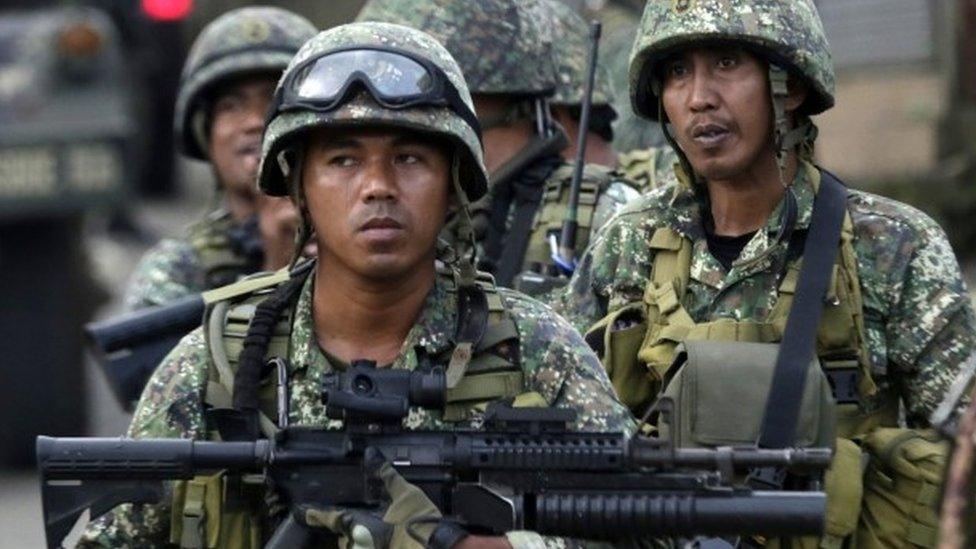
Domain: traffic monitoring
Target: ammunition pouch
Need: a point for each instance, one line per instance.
(720, 389)
(844, 486)
(901, 488)
(216, 511)
(616, 338)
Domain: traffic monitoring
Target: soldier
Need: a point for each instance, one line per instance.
(503, 48)
(226, 86)
(715, 256)
(571, 47)
(373, 135)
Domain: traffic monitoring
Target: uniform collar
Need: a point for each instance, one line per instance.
(432, 333)
(686, 218)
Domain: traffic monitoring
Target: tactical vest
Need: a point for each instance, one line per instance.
(223, 511)
(890, 503)
(552, 212)
(666, 324)
(221, 261)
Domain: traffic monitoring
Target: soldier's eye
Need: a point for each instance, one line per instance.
(342, 161)
(675, 69)
(728, 62)
(407, 158)
(227, 104)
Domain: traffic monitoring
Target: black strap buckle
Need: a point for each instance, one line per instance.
(843, 383)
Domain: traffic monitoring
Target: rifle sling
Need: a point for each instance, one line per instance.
(798, 344)
(527, 200)
(527, 192)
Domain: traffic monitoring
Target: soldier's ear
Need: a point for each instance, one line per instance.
(797, 93)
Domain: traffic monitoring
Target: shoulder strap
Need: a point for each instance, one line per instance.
(527, 199)
(798, 344)
(527, 192)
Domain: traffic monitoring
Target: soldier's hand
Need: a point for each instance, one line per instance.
(409, 520)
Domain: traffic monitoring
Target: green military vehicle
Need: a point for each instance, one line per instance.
(65, 125)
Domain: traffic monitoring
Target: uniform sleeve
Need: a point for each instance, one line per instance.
(170, 407)
(583, 301)
(611, 202)
(168, 271)
(931, 330)
(563, 369)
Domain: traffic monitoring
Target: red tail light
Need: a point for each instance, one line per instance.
(167, 10)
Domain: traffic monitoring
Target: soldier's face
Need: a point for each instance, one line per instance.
(377, 199)
(717, 100)
(237, 122)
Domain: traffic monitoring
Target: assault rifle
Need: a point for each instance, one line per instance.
(524, 470)
(130, 346)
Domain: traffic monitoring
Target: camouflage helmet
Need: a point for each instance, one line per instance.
(361, 109)
(241, 41)
(499, 44)
(787, 33)
(570, 36)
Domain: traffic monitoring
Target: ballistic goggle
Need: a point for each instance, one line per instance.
(394, 78)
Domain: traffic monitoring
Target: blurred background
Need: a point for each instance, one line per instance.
(89, 178)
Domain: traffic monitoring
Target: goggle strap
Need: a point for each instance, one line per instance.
(294, 179)
(467, 274)
(779, 92)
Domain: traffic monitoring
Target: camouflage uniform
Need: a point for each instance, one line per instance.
(504, 48)
(557, 364)
(918, 321)
(555, 361)
(919, 324)
(242, 41)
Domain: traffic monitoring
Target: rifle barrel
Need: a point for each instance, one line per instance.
(801, 459)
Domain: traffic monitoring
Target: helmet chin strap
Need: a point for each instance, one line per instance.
(787, 139)
(198, 127)
(294, 173)
(465, 265)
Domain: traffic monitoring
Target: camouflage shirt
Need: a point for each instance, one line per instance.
(556, 361)
(919, 322)
(206, 258)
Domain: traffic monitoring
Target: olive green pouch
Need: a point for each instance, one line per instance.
(616, 338)
(901, 488)
(719, 390)
(844, 486)
(214, 511)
